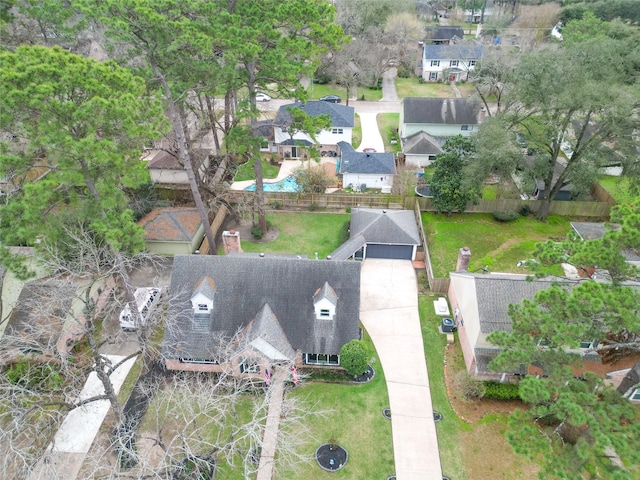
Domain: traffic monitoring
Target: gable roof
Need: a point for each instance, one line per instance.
(244, 284)
(360, 162)
(266, 336)
(594, 231)
(444, 32)
(385, 226)
(421, 143)
(463, 50)
(631, 379)
(171, 224)
(449, 111)
(341, 115)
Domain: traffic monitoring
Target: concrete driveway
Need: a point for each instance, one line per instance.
(371, 137)
(389, 312)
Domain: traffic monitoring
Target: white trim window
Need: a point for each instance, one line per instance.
(454, 63)
(435, 63)
(466, 128)
(249, 365)
(321, 359)
(337, 131)
(433, 75)
(635, 395)
(472, 63)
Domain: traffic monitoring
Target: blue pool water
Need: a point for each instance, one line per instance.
(287, 184)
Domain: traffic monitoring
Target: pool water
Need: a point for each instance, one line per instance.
(287, 184)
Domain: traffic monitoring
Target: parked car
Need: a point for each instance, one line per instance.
(331, 99)
(369, 150)
(262, 97)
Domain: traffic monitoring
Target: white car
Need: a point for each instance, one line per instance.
(262, 97)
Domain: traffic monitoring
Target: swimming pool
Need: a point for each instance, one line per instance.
(287, 184)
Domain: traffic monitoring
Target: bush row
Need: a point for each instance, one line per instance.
(501, 391)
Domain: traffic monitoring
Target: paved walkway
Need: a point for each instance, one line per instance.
(66, 453)
(389, 312)
(270, 439)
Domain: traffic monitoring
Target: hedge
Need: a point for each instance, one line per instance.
(502, 391)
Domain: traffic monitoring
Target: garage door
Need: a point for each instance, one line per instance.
(399, 252)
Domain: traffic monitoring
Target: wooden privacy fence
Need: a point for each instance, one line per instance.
(436, 285)
(215, 227)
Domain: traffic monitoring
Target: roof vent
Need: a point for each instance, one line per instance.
(384, 211)
(261, 254)
(328, 257)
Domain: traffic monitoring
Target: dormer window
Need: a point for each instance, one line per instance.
(324, 302)
(203, 307)
(203, 295)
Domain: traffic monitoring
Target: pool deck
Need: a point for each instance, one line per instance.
(286, 169)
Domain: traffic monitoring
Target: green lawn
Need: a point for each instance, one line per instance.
(411, 87)
(448, 429)
(497, 245)
(618, 188)
(388, 126)
(356, 136)
(246, 171)
(355, 420)
(302, 233)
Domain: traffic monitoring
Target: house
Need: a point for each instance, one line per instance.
(443, 34)
(449, 62)
(593, 231)
(481, 14)
(420, 149)
(342, 123)
(439, 117)
(480, 303)
(364, 170)
(380, 234)
(279, 309)
(629, 387)
(165, 167)
(171, 231)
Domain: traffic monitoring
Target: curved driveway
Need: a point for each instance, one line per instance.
(389, 312)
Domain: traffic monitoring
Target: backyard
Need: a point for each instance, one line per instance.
(411, 87)
(494, 245)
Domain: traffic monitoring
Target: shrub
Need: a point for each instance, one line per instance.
(468, 387)
(354, 357)
(509, 216)
(344, 232)
(404, 72)
(502, 391)
(313, 207)
(35, 376)
(276, 205)
(525, 210)
(257, 232)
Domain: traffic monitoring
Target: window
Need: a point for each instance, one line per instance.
(588, 344)
(435, 63)
(454, 63)
(199, 360)
(321, 359)
(635, 395)
(202, 307)
(472, 63)
(466, 128)
(433, 75)
(337, 131)
(249, 365)
(324, 312)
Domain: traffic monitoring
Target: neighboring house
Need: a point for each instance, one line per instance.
(593, 231)
(380, 234)
(172, 231)
(443, 34)
(342, 122)
(420, 149)
(630, 385)
(276, 309)
(439, 117)
(165, 167)
(451, 62)
(264, 130)
(366, 170)
(476, 15)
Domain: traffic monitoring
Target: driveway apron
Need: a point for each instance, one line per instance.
(389, 312)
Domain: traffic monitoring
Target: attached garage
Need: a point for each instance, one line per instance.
(398, 252)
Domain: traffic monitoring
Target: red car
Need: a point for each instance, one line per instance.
(369, 150)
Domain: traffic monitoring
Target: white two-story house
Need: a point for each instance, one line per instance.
(291, 144)
(452, 62)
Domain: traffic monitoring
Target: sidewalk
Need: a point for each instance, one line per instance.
(66, 453)
(270, 440)
(389, 312)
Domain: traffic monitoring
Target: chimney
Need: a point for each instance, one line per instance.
(231, 241)
(464, 256)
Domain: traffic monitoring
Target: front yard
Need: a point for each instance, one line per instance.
(411, 87)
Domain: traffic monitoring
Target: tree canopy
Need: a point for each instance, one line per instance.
(78, 127)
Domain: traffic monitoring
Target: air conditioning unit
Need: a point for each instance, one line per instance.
(448, 325)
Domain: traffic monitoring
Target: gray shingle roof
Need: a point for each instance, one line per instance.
(348, 248)
(421, 143)
(244, 284)
(341, 115)
(266, 335)
(326, 292)
(448, 111)
(464, 50)
(631, 379)
(366, 163)
(385, 226)
(444, 32)
(594, 231)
